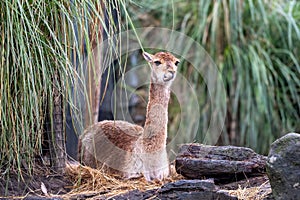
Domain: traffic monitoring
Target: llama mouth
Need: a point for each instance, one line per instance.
(169, 76)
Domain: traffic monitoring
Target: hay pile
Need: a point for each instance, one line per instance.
(89, 181)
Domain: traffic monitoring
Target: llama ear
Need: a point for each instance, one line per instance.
(148, 57)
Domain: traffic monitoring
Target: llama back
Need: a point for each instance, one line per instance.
(110, 145)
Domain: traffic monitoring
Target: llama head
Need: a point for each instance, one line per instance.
(163, 67)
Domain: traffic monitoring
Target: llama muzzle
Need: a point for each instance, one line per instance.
(169, 76)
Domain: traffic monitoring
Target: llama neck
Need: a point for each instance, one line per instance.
(155, 129)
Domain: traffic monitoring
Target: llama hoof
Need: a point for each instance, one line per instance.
(157, 175)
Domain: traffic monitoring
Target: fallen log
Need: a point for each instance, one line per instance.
(224, 163)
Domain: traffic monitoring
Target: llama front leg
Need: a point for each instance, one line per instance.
(156, 165)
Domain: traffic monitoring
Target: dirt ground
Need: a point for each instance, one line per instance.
(14, 186)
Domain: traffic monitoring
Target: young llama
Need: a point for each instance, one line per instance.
(129, 150)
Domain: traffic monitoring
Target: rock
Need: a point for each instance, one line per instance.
(224, 163)
(283, 167)
(251, 188)
(258, 181)
(182, 189)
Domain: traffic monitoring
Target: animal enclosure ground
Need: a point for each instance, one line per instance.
(81, 182)
(15, 186)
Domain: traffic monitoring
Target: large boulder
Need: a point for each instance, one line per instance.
(283, 167)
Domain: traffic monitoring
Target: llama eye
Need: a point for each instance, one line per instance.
(157, 63)
(177, 62)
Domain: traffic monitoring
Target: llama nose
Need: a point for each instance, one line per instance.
(169, 75)
(171, 72)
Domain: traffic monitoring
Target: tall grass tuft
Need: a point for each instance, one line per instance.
(39, 40)
(256, 47)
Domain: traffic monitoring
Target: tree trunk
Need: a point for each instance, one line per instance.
(58, 142)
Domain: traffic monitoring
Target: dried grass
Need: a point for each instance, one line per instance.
(95, 182)
(251, 193)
